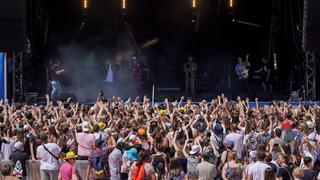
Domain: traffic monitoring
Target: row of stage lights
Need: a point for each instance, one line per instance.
(124, 4)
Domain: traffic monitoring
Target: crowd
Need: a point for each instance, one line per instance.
(133, 139)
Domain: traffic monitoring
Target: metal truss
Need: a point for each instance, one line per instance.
(17, 75)
(310, 75)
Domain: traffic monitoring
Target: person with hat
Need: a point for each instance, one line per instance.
(98, 166)
(85, 141)
(68, 170)
(48, 154)
(19, 159)
(205, 169)
(193, 160)
(217, 138)
(225, 154)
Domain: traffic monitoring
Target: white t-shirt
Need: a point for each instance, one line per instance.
(237, 140)
(257, 170)
(47, 161)
(306, 153)
(7, 149)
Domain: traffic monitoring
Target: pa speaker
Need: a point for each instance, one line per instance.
(311, 25)
(12, 25)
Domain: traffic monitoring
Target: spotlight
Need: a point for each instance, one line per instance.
(194, 3)
(85, 4)
(124, 4)
(231, 3)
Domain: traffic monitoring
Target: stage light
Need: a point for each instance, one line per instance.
(85, 4)
(194, 3)
(230, 3)
(124, 4)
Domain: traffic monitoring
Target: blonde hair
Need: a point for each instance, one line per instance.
(298, 172)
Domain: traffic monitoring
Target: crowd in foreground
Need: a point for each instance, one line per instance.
(124, 139)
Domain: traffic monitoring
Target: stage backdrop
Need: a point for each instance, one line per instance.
(2, 76)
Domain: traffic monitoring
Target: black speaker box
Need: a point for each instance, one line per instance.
(311, 25)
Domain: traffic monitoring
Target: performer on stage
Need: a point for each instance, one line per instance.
(109, 75)
(190, 68)
(242, 70)
(109, 78)
(264, 72)
(55, 73)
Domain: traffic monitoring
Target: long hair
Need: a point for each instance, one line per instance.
(269, 174)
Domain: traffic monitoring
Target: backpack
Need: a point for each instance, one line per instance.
(192, 164)
(251, 142)
(263, 138)
(221, 147)
(98, 164)
(158, 162)
(138, 172)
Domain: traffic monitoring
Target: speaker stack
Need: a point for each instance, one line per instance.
(311, 26)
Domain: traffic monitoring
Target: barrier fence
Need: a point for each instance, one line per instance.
(33, 168)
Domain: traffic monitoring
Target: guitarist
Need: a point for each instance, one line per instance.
(242, 70)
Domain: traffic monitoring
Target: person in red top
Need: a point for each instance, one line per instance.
(68, 170)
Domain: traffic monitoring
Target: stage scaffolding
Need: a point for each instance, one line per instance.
(311, 75)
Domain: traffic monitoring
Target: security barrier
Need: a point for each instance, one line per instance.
(33, 168)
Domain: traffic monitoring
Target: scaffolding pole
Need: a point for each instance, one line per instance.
(17, 76)
(310, 75)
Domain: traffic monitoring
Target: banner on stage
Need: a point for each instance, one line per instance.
(3, 92)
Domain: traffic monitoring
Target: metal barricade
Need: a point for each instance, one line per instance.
(33, 168)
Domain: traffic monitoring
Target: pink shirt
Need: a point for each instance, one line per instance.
(85, 143)
(67, 170)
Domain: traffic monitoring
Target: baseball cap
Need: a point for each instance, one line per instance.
(310, 124)
(85, 126)
(26, 127)
(194, 149)
(218, 129)
(230, 143)
(252, 154)
(207, 153)
(132, 138)
(18, 145)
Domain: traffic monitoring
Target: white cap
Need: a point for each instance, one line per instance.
(18, 145)
(197, 116)
(132, 138)
(310, 124)
(85, 126)
(195, 149)
(26, 127)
